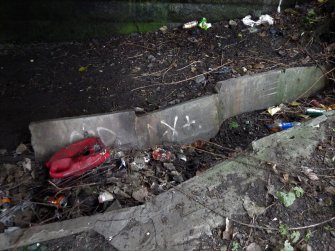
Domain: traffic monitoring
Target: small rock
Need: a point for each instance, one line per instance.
(281, 53)
(21, 149)
(259, 66)
(192, 39)
(200, 79)
(178, 178)
(139, 110)
(115, 206)
(163, 29)
(117, 191)
(151, 58)
(169, 166)
(232, 23)
(253, 29)
(3, 151)
(27, 164)
(140, 194)
(253, 247)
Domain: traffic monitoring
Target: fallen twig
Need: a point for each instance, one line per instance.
(181, 81)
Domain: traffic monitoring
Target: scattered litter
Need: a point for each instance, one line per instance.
(264, 19)
(182, 157)
(314, 112)
(59, 201)
(280, 126)
(27, 164)
(244, 69)
(105, 196)
(273, 110)
(162, 155)
(139, 110)
(190, 25)
(31, 60)
(21, 149)
(204, 25)
(77, 158)
(4, 201)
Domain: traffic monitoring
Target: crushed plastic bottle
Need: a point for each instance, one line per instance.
(280, 126)
(203, 24)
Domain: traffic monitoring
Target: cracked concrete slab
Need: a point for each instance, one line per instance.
(176, 219)
(183, 123)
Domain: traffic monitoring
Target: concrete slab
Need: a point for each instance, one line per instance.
(176, 219)
(250, 93)
(115, 129)
(183, 123)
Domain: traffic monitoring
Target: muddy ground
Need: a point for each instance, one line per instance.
(153, 71)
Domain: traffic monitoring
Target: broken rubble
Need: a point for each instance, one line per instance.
(183, 212)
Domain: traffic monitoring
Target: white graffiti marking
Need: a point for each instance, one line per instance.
(189, 123)
(173, 129)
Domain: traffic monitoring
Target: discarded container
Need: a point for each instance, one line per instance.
(263, 19)
(190, 25)
(105, 196)
(59, 201)
(77, 158)
(280, 126)
(203, 24)
(162, 155)
(314, 112)
(4, 201)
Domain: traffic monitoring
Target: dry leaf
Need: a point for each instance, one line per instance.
(286, 177)
(294, 103)
(330, 190)
(309, 173)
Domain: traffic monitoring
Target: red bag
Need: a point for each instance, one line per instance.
(77, 158)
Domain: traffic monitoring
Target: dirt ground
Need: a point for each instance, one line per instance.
(153, 71)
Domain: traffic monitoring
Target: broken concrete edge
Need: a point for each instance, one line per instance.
(183, 123)
(160, 223)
